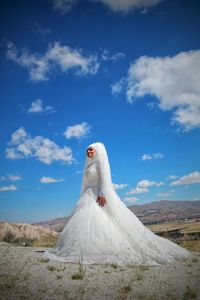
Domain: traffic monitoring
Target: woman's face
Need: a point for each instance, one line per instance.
(90, 152)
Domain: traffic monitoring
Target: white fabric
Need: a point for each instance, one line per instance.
(112, 233)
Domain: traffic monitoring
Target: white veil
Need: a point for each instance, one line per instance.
(123, 218)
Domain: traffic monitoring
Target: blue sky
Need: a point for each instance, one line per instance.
(75, 72)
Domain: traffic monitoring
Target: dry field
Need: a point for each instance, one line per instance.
(25, 274)
(188, 226)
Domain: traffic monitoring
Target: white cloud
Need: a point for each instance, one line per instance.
(117, 87)
(50, 180)
(152, 156)
(171, 177)
(36, 107)
(40, 29)
(191, 178)
(130, 199)
(14, 177)
(161, 183)
(106, 56)
(22, 145)
(63, 6)
(77, 131)
(164, 195)
(8, 188)
(143, 185)
(18, 136)
(57, 56)
(174, 81)
(128, 5)
(137, 190)
(119, 186)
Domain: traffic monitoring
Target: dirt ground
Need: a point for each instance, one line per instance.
(25, 274)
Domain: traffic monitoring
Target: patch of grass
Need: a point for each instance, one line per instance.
(139, 276)
(194, 259)
(125, 289)
(81, 273)
(43, 260)
(9, 237)
(51, 268)
(8, 282)
(45, 242)
(21, 241)
(77, 276)
(191, 245)
(114, 266)
(189, 294)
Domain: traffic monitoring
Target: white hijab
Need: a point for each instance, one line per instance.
(101, 158)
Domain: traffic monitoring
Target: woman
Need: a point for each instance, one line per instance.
(103, 230)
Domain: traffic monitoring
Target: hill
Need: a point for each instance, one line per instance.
(150, 213)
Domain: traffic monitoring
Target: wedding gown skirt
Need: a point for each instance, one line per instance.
(110, 234)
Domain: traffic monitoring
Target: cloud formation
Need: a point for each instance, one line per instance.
(22, 145)
(47, 180)
(191, 178)
(14, 177)
(8, 188)
(107, 56)
(78, 131)
(130, 199)
(174, 81)
(171, 177)
(56, 57)
(119, 186)
(125, 6)
(36, 107)
(143, 185)
(128, 5)
(152, 156)
(63, 6)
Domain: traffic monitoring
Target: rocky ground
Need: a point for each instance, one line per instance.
(25, 274)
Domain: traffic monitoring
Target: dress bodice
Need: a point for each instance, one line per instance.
(92, 178)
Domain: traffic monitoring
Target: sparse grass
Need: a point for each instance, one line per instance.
(7, 282)
(81, 273)
(9, 237)
(189, 294)
(194, 259)
(191, 245)
(125, 289)
(138, 276)
(143, 268)
(43, 260)
(59, 277)
(21, 241)
(77, 276)
(45, 242)
(51, 268)
(114, 266)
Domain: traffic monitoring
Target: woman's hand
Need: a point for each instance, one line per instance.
(101, 200)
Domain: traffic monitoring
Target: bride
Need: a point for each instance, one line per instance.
(101, 228)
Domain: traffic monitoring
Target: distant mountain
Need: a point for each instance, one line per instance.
(150, 213)
(166, 211)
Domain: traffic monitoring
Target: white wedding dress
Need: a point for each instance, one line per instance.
(109, 234)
